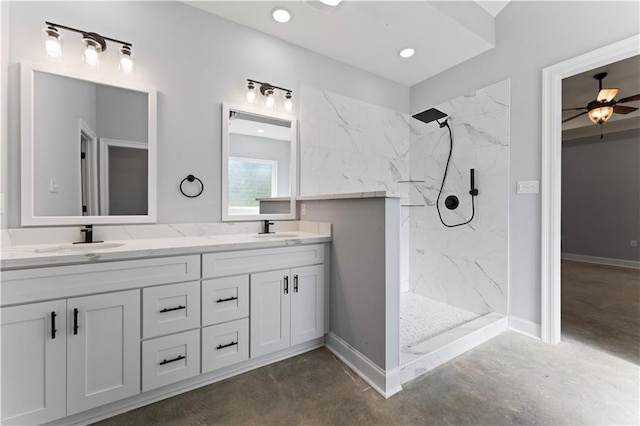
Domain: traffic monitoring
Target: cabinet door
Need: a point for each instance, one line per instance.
(103, 353)
(307, 303)
(33, 363)
(270, 312)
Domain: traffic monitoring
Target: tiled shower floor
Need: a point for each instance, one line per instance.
(422, 318)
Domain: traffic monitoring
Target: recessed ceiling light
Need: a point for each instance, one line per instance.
(331, 2)
(260, 130)
(406, 53)
(281, 15)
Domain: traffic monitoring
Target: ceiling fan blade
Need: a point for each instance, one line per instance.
(630, 99)
(606, 95)
(574, 109)
(575, 116)
(620, 109)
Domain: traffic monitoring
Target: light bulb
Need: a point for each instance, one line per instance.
(52, 43)
(92, 50)
(53, 48)
(251, 92)
(91, 56)
(126, 59)
(288, 104)
(271, 101)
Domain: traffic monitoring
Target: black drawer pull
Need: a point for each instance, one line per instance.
(177, 308)
(53, 325)
(226, 346)
(227, 299)
(75, 321)
(295, 283)
(167, 361)
(286, 284)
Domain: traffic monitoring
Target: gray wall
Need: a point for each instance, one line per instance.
(128, 181)
(196, 61)
(122, 114)
(365, 287)
(530, 36)
(57, 141)
(601, 195)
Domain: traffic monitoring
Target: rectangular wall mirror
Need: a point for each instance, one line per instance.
(88, 153)
(259, 164)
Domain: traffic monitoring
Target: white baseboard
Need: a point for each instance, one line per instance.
(524, 326)
(624, 263)
(383, 383)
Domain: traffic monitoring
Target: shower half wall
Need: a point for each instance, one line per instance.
(349, 146)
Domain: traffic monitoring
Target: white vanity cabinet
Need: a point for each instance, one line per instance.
(85, 340)
(86, 346)
(287, 308)
(103, 349)
(34, 348)
(287, 293)
(81, 350)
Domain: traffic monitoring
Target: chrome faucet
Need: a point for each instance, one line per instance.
(266, 230)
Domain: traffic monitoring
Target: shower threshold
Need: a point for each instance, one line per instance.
(425, 356)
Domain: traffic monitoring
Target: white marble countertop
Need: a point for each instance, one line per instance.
(53, 254)
(353, 195)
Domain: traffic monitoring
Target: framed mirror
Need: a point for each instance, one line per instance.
(259, 164)
(88, 150)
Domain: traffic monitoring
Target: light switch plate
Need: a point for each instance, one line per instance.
(528, 187)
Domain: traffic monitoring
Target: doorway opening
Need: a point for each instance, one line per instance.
(551, 173)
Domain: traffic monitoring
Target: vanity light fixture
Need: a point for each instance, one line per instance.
(52, 42)
(251, 92)
(288, 104)
(268, 90)
(94, 44)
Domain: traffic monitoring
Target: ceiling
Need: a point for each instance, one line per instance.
(369, 34)
(579, 90)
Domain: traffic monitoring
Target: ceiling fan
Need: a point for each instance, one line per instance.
(604, 106)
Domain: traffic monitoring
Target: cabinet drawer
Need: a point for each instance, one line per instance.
(58, 282)
(248, 261)
(225, 344)
(225, 299)
(170, 308)
(170, 359)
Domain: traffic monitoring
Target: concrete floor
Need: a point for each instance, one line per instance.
(591, 377)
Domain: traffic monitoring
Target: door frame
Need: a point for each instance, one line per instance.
(551, 172)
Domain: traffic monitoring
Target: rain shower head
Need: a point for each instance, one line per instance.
(430, 115)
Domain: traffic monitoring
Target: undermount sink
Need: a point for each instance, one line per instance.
(72, 248)
(276, 235)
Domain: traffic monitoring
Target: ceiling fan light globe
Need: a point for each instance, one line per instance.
(600, 115)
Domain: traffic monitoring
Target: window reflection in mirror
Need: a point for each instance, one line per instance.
(258, 165)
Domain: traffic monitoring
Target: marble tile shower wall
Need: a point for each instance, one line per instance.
(348, 145)
(465, 266)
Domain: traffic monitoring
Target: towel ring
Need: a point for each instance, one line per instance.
(191, 178)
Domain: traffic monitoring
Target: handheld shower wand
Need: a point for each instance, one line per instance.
(451, 202)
